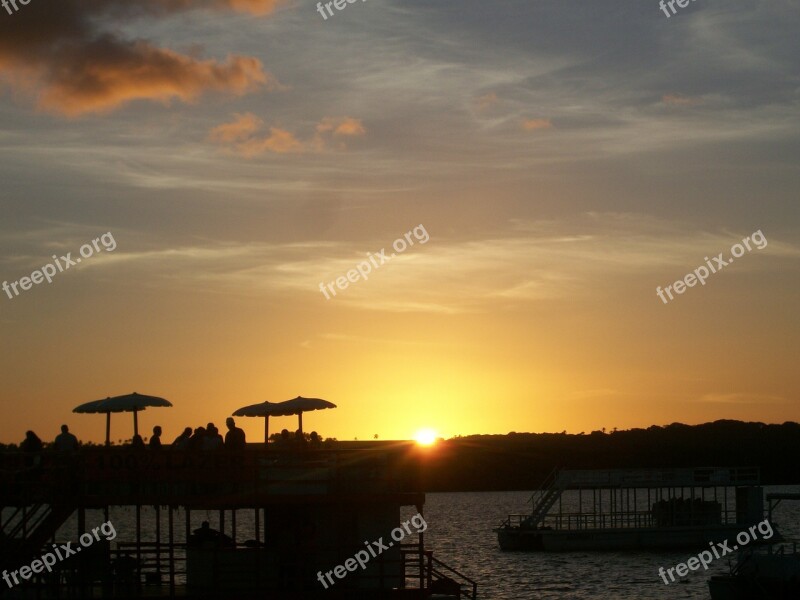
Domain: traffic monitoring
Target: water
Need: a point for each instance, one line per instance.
(460, 534)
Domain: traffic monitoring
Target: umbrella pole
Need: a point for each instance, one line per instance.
(108, 428)
(300, 421)
(135, 422)
(266, 429)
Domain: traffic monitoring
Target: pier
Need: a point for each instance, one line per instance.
(306, 512)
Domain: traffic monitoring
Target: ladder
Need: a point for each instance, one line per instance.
(545, 497)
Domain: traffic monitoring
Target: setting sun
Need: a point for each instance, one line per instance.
(425, 437)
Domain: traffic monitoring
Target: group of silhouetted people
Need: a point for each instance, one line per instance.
(205, 438)
(64, 442)
(208, 438)
(287, 442)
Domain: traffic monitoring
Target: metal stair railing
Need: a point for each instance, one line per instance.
(544, 498)
(436, 570)
(29, 519)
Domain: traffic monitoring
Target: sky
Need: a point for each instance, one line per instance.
(555, 164)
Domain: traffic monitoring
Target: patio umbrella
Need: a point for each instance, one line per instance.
(262, 409)
(128, 403)
(295, 406)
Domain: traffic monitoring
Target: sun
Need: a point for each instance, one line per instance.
(425, 437)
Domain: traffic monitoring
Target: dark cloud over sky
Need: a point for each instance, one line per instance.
(69, 55)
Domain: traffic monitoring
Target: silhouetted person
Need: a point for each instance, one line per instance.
(31, 443)
(300, 440)
(182, 441)
(205, 534)
(137, 443)
(234, 439)
(65, 441)
(155, 441)
(285, 441)
(213, 440)
(196, 441)
(31, 446)
(316, 442)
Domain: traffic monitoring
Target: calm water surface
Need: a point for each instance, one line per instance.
(460, 533)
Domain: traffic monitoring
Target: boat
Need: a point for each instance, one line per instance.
(283, 520)
(636, 509)
(766, 572)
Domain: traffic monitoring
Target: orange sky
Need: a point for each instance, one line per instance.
(241, 153)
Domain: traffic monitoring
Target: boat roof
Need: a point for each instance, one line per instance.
(654, 478)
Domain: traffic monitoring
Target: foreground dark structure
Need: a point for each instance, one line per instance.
(308, 511)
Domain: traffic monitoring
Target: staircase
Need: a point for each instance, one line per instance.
(438, 580)
(545, 497)
(445, 582)
(26, 528)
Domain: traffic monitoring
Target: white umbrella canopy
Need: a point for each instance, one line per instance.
(295, 406)
(262, 409)
(127, 403)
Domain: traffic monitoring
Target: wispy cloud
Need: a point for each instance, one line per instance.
(240, 136)
(486, 101)
(741, 398)
(534, 124)
(530, 261)
(679, 100)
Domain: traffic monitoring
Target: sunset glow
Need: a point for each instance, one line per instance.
(425, 437)
(262, 171)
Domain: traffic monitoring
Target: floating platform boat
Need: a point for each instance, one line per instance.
(307, 512)
(636, 509)
(772, 572)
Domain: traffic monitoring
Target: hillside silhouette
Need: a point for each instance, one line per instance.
(521, 461)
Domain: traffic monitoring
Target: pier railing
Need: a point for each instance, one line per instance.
(102, 475)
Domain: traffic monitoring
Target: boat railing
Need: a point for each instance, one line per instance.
(584, 520)
(515, 520)
(437, 577)
(783, 547)
(624, 519)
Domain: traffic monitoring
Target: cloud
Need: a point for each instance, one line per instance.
(255, 7)
(580, 259)
(240, 136)
(70, 56)
(741, 398)
(679, 100)
(278, 141)
(534, 124)
(242, 128)
(486, 101)
(346, 126)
